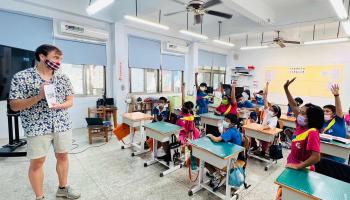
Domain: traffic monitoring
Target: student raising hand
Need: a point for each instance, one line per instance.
(338, 107)
(291, 102)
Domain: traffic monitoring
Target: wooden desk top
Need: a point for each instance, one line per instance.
(137, 116)
(163, 127)
(223, 150)
(287, 118)
(313, 185)
(257, 127)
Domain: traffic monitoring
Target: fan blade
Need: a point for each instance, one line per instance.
(210, 3)
(280, 43)
(219, 14)
(173, 13)
(291, 42)
(179, 2)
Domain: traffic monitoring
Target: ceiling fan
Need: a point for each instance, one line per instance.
(281, 42)
(199, 8)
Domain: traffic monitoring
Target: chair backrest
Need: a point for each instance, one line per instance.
(333, 169)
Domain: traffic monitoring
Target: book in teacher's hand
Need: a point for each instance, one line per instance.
(50, 94)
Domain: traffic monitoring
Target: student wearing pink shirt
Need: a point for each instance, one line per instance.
(305, 148)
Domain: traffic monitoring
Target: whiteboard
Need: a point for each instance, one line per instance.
(311, 81)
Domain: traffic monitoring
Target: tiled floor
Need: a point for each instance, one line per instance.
(108, 172)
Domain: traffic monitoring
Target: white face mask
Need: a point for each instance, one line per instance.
(245, 96)
(202, 89)
(327, 117)
(270, 113)
(225, 124)
(258, 95)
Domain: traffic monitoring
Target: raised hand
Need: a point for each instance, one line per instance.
(286, 85)
(335, 89)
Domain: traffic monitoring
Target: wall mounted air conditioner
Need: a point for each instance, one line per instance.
(171, 47)
(67, 29)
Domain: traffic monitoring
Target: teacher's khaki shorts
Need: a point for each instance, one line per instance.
(38, 146)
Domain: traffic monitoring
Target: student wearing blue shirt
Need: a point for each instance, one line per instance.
(259, 98)
(202, 100)
(160, 112)
(243, 102)
(334, 119)
(231, 134)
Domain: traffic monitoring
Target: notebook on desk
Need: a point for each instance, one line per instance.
(94, 121)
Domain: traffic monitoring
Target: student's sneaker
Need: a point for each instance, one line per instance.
(40, 198)
(160, 152)
(68, 192)
(215, 181)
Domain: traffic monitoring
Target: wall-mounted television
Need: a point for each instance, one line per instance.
(12, 60)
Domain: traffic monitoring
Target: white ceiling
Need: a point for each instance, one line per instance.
(287, 14)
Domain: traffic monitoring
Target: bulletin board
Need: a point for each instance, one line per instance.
(313, 81)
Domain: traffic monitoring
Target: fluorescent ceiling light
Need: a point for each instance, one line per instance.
(224, 43)
(200, 36)
(327, 41)
(97, 6)
(339, 8)
(149, 23)
(254, 47)
(346, 27)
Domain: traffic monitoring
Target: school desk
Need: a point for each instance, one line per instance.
(306, 184)
(211, 119)
(288, 121)
(338, 149)
(137, 119)
(162, 132)
(253, 130)
(218, 154)
(212, 107)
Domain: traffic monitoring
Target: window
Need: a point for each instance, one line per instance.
(171, 81)
(153, 81)
(213, 76)
(218, 79)
(144, 80)
(137, 79)
(87, 80)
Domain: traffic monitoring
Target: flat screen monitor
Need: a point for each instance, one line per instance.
(12, 60)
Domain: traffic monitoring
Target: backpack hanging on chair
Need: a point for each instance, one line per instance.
(174, 146)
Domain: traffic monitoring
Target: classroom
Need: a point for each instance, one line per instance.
(174, 99)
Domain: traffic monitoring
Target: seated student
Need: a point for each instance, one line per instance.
(334, 120)
(228, 104)
(305, 148)
(186, 121)
(231, 134)
(161, 112)
(202, 97)
(259, 98)
(299, 103)
(244, 102)
(270, 121)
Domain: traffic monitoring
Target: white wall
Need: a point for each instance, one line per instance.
(303, 55)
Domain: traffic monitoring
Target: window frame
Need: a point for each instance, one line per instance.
(159, 81)
(85, 74)
(212, 71)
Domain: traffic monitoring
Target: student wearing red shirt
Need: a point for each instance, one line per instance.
(305, 148)
(228, 104)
